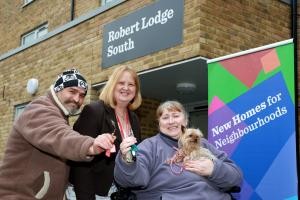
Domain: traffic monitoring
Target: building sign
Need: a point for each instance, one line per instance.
(252, 117)
(150, 29)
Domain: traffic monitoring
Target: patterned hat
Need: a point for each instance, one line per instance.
(70, 78)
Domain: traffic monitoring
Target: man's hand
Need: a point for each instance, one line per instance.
(102, 143)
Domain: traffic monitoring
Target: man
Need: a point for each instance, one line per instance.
(41, 141)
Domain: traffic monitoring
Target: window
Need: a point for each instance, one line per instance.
(104, 2)
(27, 2)
(19, 109)
(287, 1)
(35, 34)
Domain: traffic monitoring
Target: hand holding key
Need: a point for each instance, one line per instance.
(104, 142)
(113, 148)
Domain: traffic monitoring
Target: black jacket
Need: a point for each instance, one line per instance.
(96, 177)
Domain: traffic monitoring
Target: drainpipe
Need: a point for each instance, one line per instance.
(295, 40)
(72, 9)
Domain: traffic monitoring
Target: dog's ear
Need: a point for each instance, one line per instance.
(199, 132)
(183, 128)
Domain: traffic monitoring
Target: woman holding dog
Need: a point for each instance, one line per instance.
(156, 174)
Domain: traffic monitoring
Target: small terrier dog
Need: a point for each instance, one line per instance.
(190, 144)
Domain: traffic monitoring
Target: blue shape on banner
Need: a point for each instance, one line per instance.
(288, 180)
(221, 121)
(292, 198)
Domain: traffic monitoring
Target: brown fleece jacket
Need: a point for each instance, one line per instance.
(41, 140)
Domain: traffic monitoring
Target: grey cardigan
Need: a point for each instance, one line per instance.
(154, 180)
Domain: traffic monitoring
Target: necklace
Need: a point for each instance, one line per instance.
(122, 116)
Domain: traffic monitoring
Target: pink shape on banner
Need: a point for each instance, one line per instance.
(246, 67)
(270, 61)
(216, 103)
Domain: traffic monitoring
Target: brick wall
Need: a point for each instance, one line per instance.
(82, 7)
(211, 29)
(17, 20)
(147, 117)
(231, 26)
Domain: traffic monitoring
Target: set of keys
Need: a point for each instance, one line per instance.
(133, 149)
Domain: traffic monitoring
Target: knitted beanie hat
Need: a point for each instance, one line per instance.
(70, 78)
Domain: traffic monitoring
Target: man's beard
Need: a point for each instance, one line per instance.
(71, 109)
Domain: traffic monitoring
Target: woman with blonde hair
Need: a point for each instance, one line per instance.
(112, 114)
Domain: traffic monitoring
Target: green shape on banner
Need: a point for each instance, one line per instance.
(286, 67)
(221, 77)
(286, 56)
(219, 86)
(262, 76)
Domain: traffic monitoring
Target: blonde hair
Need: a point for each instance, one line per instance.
(107, 93)
(171, 106)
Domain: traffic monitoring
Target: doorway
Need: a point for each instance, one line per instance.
(185, 82)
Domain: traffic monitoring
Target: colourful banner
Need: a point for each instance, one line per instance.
(251, 99)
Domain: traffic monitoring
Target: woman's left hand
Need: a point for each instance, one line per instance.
(202, 167)
(125, 145)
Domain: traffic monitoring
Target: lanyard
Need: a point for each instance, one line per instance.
(124, 133)
(128, 132)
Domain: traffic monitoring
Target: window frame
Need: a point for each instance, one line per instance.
(26, 2)
(36, 32)
(18, 109)
(104, 2)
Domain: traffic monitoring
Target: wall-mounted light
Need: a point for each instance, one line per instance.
(185, 88)
(32, 86)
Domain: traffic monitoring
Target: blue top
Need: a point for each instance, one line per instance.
(155, 180)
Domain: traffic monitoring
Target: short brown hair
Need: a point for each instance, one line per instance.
(171, 106)
(107, 93)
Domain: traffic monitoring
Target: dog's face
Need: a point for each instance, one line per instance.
(189, 142)
(191, 137)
